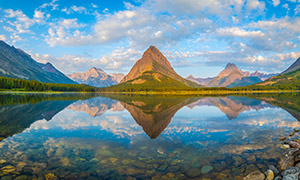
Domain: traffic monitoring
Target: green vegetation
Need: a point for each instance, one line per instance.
(149, 81)
(12, 99)
(26, 85)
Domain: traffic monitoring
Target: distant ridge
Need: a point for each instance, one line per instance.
(96, 77)
(16, 63)
(232, 76)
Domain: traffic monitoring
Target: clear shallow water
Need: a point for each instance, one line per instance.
(144, 137)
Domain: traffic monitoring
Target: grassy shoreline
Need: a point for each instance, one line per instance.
(204, 92)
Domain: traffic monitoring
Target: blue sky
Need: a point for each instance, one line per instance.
(198, 37)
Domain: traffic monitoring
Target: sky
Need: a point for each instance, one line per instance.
(198, 37)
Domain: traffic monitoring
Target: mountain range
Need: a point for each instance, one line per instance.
(232, 76)
(152, 72)
(97, 77)
(16, 63)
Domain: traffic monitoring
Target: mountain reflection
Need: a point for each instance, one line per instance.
(152, 113)
(232, 106)
(18, 112)
(97, 106)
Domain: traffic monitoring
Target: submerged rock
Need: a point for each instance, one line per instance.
(50, 176)
(270, 175)
(22, 177)
(2, 161)
(296, 130)
(287, 159)
(6, 178)
(206, 169)
(7, 169)
(193, 172)
(282, 138)
(256, 175)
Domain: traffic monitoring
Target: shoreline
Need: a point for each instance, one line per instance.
(205, 92)
(197, 93)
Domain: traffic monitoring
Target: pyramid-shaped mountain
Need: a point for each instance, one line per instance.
(154, 60)
(153, 72)
(16, 63)
(230, 74)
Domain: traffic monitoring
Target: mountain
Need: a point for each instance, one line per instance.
(287, 79)
(262, 76)
(96, 77)
(201, 81)
(117, 76)
(295, 66)
(16, 63)
(245, 81)
(153, 72)
(232, 76)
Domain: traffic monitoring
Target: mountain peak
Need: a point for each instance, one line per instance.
(153, 54)
(153, 60)
(231, 66)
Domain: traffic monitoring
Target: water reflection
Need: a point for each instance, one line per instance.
(144, 137)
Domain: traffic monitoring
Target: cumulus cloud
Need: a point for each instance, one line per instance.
(52, 4)
(22, 22)
(75, 9)
(139, 26)
(238, 32)
(3, 37)
(76, 63)
(276, 2)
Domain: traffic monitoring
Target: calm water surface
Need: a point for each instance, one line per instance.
(143, 137)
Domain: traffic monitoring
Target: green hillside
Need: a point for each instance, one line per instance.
(245, 81)
(149, 81)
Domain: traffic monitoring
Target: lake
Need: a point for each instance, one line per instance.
(87, 136)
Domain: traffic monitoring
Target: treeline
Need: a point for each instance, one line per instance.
(27, 85)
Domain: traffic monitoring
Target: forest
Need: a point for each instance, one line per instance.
(27, 85)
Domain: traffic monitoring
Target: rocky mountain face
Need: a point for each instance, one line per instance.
(97, 77)
(154, 61)
(232, 76)
(295, 66)
(16, 63)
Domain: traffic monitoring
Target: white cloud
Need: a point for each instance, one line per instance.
(255, 4)
(117, 59)
(276, 2)
(3, 37)
(15, 38)
(38, 14)
(70, 23)
(238, 32)
(94, 5)
(75, 9)
(297, 9)
(139, 26)
(52, 4)
(22, 22)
